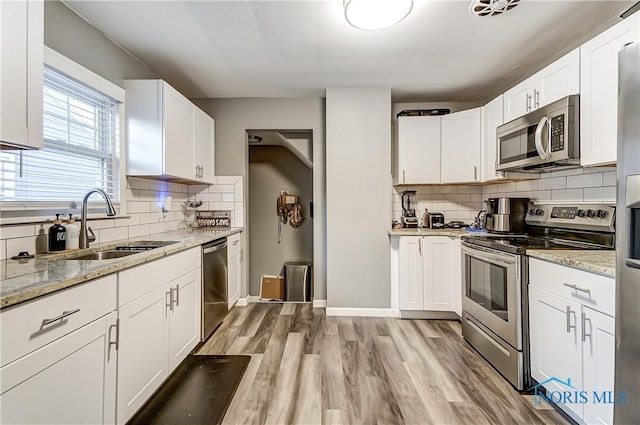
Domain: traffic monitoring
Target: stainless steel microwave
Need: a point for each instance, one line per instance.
(542, 140)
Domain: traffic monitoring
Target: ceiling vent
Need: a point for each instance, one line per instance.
(483, 8)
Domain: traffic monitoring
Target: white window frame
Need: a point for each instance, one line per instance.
(41, 211)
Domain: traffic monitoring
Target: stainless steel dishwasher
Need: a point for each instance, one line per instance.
(214, 285)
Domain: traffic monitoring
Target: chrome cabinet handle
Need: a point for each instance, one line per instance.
(64, 314)
(577, 288)
(117, 341)
(403, 177)
(475, 173)
(584, 327)
(170, 304)
(528, 102)
(420, 246)
(177, 295)
(536, 94)
(569, 325)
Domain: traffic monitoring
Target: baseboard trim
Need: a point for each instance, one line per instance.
(437, 315)
(243, 302)
(362, 312)
(319, 303)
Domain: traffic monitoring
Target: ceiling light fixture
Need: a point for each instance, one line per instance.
(376, 14)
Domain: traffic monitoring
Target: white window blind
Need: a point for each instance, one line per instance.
(81, 149)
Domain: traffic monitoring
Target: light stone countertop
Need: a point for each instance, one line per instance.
(601, 262)
(23, 280)
(454, 233)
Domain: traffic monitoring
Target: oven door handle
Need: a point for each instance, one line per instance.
(487, 255)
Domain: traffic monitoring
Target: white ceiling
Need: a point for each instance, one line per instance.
(280, 48)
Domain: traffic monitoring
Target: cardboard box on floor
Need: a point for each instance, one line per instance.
(272, 287)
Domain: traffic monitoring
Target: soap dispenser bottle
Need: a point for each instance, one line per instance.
(72, 230)
(57, 235)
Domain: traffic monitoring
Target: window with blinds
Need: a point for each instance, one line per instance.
(81, 149)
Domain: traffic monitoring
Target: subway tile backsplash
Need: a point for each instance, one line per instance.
(144, 217)
(595, 185)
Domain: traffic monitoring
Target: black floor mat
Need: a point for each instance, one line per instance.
(198, 392)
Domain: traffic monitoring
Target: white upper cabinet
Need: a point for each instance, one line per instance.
(168, 137)
(204, 142)
(599, 92)
(460, 147)
(439, 149)
(179, 134)
(418, 150)
(554, 82)
(21, 73)
(558, 80)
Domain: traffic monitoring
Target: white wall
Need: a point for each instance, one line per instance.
(358, 199)
(594, 185)
(144, 217)
(235, 116)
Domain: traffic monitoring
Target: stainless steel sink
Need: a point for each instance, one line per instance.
(123, 250)
(105, 255)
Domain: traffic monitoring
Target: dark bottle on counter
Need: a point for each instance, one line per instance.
(57, 235)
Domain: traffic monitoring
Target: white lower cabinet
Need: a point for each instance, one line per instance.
(158, 329)
(59, 357)
(428, 274)
(571, 340)
(234, 260)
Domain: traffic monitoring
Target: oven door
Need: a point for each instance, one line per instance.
(492, 292)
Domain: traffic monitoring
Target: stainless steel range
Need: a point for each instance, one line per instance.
(495, 269)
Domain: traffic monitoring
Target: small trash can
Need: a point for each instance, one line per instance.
(297, 281)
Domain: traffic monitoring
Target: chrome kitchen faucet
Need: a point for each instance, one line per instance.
(86, 234)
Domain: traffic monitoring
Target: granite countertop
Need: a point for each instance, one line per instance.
(602, 262)
(23, 280)
(454, 233)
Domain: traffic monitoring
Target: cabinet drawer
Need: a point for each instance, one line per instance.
(23, 328)
(592, 290)
(140, 280)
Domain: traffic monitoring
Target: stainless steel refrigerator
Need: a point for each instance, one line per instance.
(627, 369)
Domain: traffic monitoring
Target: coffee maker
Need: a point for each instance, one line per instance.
(409, 218)
(506, 215)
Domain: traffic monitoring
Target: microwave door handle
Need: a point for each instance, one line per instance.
(538, 138)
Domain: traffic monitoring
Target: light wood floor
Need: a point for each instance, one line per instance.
(307, 368)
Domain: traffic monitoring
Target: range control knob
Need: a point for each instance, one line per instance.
(591, 213)
(539, 211)
(532, 211)
(602, 213)
(582, 213)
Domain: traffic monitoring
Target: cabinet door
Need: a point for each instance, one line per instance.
(558, 80)
(69, 381)
(21, 72)
(598, 351)
(204, 146)
(184, 317)
(178, 134)
(439, 270)
(419, 150)
(492, 118)
(411, 282)
(142, 356)
(519, 100)
(460, 145)
(556, 344)
(599, 92)
(233, 269)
